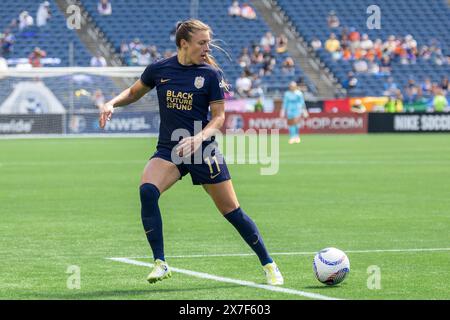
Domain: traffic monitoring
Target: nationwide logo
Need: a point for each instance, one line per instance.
(15, 126)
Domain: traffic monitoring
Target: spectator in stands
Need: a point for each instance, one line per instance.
(360, 66)
(259, 106)
(390, 87)
(427, 87)
(154, 54)
(333, 20)
(247, 12)
(234, 10)
(373, 67)
(98, 61)
(316, 44)
(281, 44)
(104, 8)
(98, 98)
(386, 65)
(124, 49)
(366, 44)
(445, 85)
(394, 103)
(358, 106)
(354, 39)
(244, 59)
(136, 44)
(288, 66)
(144, 57)
(267, 41)
(25, 20)
(243, 85)
(268, 63)
(332, 44)
(43, 14)
(169, 53)
(440, 102)
(257, 56)
(35, 57)
(350, 83)
(7, 40)
(347, 53)
(411, 92)
(257, 90)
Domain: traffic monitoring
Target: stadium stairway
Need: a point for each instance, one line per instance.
(327, 86)
(88, 33)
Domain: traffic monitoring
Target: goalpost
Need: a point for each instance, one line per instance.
(64, 102)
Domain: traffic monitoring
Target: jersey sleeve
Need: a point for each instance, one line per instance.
(148, 76)
(216, 86)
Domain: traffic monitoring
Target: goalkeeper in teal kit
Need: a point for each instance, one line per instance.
(293, 108)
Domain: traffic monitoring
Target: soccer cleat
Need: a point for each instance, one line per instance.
(297, 140)
(291, 140)
(160, 271)
(273, 274)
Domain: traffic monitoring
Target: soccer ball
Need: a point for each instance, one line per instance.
(331, 266)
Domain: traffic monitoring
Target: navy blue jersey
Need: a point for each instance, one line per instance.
(184, 95)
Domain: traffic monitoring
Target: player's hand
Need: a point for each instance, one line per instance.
(106, 111)
(187, 146)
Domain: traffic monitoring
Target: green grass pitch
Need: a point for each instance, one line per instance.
(75, 202)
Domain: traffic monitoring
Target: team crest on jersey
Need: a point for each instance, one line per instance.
(199, 82)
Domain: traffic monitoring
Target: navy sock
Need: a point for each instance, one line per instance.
(248, 230)
(151, 219)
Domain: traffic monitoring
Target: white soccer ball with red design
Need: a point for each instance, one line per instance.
(331, 266)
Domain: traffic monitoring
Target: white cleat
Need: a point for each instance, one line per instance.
(160, 272)
(273, 274)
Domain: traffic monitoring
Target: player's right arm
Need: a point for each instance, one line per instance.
(126, 97)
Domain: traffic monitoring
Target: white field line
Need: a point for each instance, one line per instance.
(302, 162)
(295, 253)
(208, 276)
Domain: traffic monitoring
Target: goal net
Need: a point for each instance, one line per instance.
(64, 101)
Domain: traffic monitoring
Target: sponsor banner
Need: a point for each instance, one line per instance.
(336, 105)
(315, 123)
(121, 122)
(409, 122)
(31, 124)
(371, 103)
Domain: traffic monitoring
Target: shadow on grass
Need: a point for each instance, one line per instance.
(324, 287)
(151, 292)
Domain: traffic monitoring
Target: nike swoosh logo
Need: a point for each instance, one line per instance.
(147, 232)
(164, 80)
(212, 177)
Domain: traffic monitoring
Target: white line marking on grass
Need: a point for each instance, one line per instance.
(203, 275)
(295, 253)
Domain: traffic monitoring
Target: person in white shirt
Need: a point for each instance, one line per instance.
(98, 61)
(104, 8)
(234, 10)
(25, 20)
(43, 14)
(243, 85)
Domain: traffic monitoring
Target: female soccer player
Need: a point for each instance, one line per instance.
(293, 108)
(187, 84)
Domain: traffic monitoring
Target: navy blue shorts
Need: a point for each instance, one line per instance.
(211, 170)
